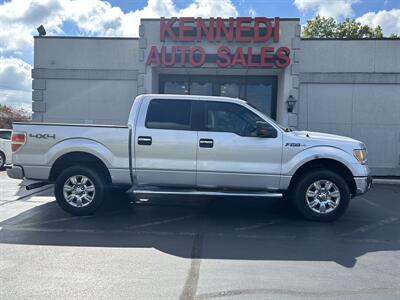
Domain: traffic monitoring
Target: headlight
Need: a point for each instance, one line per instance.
(360, 155)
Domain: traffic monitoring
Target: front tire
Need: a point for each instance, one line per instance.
(80, 190)
(321, 195)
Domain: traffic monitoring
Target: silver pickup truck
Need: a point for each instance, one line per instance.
(192, 145)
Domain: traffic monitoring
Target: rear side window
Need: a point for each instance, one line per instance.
(5, 135)
(169, 114)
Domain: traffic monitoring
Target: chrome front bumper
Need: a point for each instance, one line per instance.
(363, 184)
(15, 172)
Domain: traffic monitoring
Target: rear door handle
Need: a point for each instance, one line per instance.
(144, 140)
(206, 143)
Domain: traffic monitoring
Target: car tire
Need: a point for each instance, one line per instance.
(80, 190)
(321, 195)
(2, 160)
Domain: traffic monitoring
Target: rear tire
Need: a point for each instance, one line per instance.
(80, 190)
(321, 195)
(2, 160)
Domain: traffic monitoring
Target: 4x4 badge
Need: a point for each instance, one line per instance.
(42, 136)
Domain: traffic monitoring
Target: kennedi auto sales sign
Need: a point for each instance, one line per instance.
(217, 30)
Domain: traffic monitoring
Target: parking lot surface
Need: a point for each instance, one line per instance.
(197, 248)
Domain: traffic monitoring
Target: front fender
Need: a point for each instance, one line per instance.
(293, 162)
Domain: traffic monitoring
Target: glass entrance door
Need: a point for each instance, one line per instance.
(258, 91)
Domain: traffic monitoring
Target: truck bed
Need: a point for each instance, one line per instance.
(47, 142)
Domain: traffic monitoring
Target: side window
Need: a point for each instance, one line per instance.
(5, 135)
(169, 114)
(230, 117)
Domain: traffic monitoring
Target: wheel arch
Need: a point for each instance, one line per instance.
(77, 158)
(327, 164)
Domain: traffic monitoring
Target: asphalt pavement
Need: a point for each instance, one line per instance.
(196, 248)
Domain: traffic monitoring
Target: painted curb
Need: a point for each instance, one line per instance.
(385, 181)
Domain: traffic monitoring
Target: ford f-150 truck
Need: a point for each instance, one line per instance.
(192, 145)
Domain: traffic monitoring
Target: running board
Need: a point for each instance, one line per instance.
(143, 191)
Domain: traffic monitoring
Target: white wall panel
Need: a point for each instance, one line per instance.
(370, 113)
(89, 101)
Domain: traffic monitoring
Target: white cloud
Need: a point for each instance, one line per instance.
(95, 17)
(15, 74)
(389, 20)
(19, 18)
(327, 8)
(252, 12)
(15, 83)
(209, 8)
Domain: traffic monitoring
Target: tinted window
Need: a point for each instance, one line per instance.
(176, 87)
(259, 91)
(6, 135)
(200, 87)
(169, 114)
(259, 95)
(229, 117)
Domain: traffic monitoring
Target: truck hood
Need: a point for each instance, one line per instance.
(326, 137)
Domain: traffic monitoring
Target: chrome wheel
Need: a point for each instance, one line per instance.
(2, 160)
(79, 191)
(323, 196)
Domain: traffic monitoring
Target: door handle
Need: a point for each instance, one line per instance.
(144, 140)
(206, 143)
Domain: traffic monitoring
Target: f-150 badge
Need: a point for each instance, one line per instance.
(294, 145)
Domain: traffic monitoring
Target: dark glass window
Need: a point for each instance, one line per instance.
(230, 117)
(259, 91)
(201, 87)
(230, 86)
(169, 114)
(5, 135)
(176, 87)
(259, 95)
(230, 90)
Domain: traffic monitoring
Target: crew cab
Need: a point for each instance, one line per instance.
(194, 145)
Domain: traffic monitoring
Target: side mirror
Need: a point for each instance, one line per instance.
(265, 130)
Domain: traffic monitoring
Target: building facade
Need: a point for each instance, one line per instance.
(346, 87)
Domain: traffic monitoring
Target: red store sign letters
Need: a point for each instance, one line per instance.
(240, 30)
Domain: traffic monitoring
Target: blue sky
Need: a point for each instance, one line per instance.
(19, 19)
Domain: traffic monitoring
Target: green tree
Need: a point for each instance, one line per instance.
(321, 27)
(350, 29)
(377, 32)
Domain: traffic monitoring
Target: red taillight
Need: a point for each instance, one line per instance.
(18, 139)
